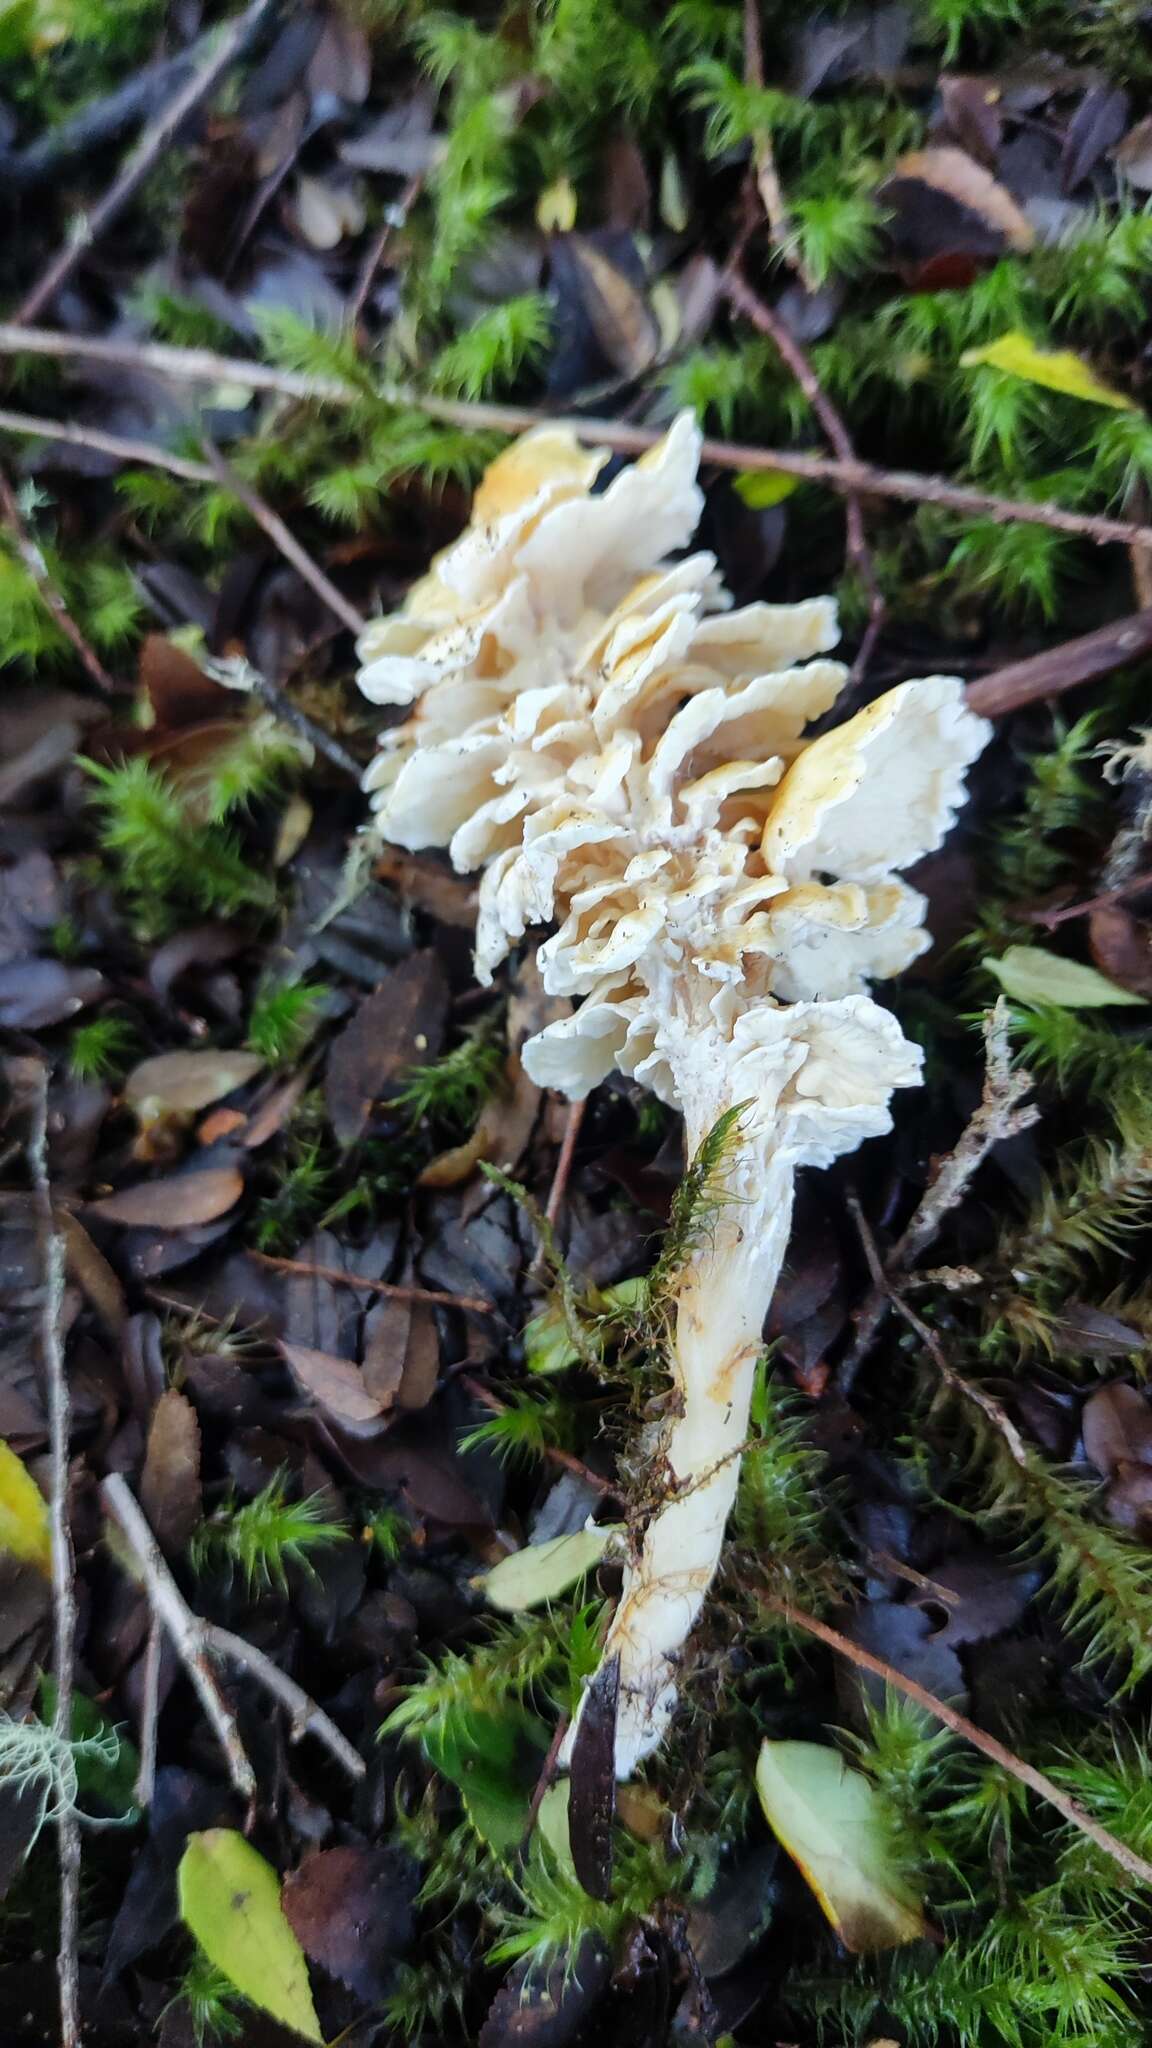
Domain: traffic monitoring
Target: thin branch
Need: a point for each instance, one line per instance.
(203, 366)
(1136, 886)
(198, 1642)
(1065, 667)
(63, 1562)
(996, 1751)
(764, 169)
(475, 1303)
(38, 569)
(282, 538)
(118, 447)
(559, 1188)
(290, 714)
(307, 1717)
(395, 218)
(184, 1628)
(1002, 1114)
(152, 145)
(149, 1715)
(767, 322)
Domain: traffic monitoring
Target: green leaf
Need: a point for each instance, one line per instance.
(494, 1761)
(230, 1901)
(17, 28)
(107, 1763)
(1057, 369)
(24, 1532)
(836, 1827)
(762, 488)
(542, 1571)
(552, 1826)
(1029, 974)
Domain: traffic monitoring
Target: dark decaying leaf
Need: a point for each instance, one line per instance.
(36, 993)
(170, 1482)
(907, 1638)
(351, 1911)
(733, 1915)
(1097, 123)
(175, 1202)
(982, 1597)
(1121, 946)
(551, 2007)
(972, 113)
(336, 1385)
(400, 1025)
(1117, 1428)
(1133, 156)
(592, 1802)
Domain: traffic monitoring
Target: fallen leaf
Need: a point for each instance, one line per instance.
(1117, 1428)
(494, 1761)
(90, 1271)
(1029, 974)
(760, 489)
(181, 1083)
(400, 1025)
(556, 208)
(351, 1911)
(1121, 946)
(35, 993)
(401, 1359)
(592, 1771)
(1133, 156)
(170, 1482)
(1095, 126)
(960, 178)
(1057, 369)
(836, 1828)
(336, 1385)
(230, 1901)
(618, 311)
(24, 1527)
(325, 213)
(543, 1571)
(176, 1201)
(972, 110)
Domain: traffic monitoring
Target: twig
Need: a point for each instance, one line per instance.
(149, 1715)
(555, 1456)
(143, 159)
(101, 120)
(198, 1642)
(548, 1771)
(203, 366)
(117, 446)
(1002, 1114)
(766, 321)
(1051, 918)
(184, 1628)
(473, 1302)
(280, 536)
(763, 155)
(307, 1717)
(63, 1562)
(564, 1160)
(996, 1751)
(37, 568)
(290, 714)
(395, 217)
(1061, 668)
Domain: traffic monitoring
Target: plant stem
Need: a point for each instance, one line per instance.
(722, 1297)
(37, 568)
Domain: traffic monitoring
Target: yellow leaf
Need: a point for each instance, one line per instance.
(834, 1825)
(1057, 369)
(542, 1571)
(24, 1531)
(556, 208)
(230, 1900)
(1030, 974)
(761, 488)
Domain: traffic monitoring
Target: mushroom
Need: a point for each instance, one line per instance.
(623, 756)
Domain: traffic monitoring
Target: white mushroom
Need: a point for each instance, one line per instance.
(623, 757)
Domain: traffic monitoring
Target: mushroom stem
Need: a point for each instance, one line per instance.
(724, 1294)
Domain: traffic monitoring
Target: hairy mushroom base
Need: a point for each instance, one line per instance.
(624, 758)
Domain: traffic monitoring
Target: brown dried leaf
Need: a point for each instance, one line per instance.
(960, 178)
(176, 687)
(337, 1386)
(91, 1272)
(184, 1082)
(972, 111)
(1117, 1428)
(620, 315)
(351, 1911)
(170, 1482)
(430, 886)
(401, 1353)
(400, 1025)
(1133, 156)
(177, 1201)
(1121, 946)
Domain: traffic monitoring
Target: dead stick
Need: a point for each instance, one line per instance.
(763, 154)
(149, 1715)
(997, 1752)
(203, 366)
(1064, 667)
(63, 1562)
(474, 1302)
(307, 1717)
(117, 446)
(1051, 918)
(184, 1628)
(144, 158)
(37, 568)
(767, 322)
(395, 217)
(283, 539)
(564, 1160)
